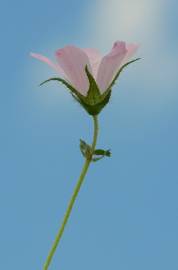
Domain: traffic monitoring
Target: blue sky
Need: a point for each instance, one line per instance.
(126, 216)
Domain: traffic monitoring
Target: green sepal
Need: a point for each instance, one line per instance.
(93, 94)
(120, 70)
(117, 76)
(96, 109)
(94, 102)
(68, 85)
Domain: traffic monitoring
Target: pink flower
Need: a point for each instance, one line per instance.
(72, 61)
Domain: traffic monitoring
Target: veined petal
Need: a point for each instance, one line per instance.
(74, 61)
(110, 64)
(94, 58)
(46, 60)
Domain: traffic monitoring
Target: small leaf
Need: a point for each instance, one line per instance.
(102, 152)
(83, 144)
(85, 149)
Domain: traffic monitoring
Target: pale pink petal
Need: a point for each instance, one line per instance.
(110, 64)
(131, 50)
(46, 60)
(73, 61)
(95, 58)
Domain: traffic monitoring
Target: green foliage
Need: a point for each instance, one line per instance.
(85, 149)
(101, 152)
(96, 155)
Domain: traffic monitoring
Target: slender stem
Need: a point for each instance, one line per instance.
(73, 198)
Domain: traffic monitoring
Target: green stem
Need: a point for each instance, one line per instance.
(73, 198)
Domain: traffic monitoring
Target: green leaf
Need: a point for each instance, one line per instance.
(84, 145)
(102, 152)
(96, 155)
(93, 95)
(85, 149)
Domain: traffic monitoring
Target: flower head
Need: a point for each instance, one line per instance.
(87, 74)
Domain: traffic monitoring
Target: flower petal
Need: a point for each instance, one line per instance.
(73, 61)
(131, 50)
(95, 58)
(46, 60)
(110, 64)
